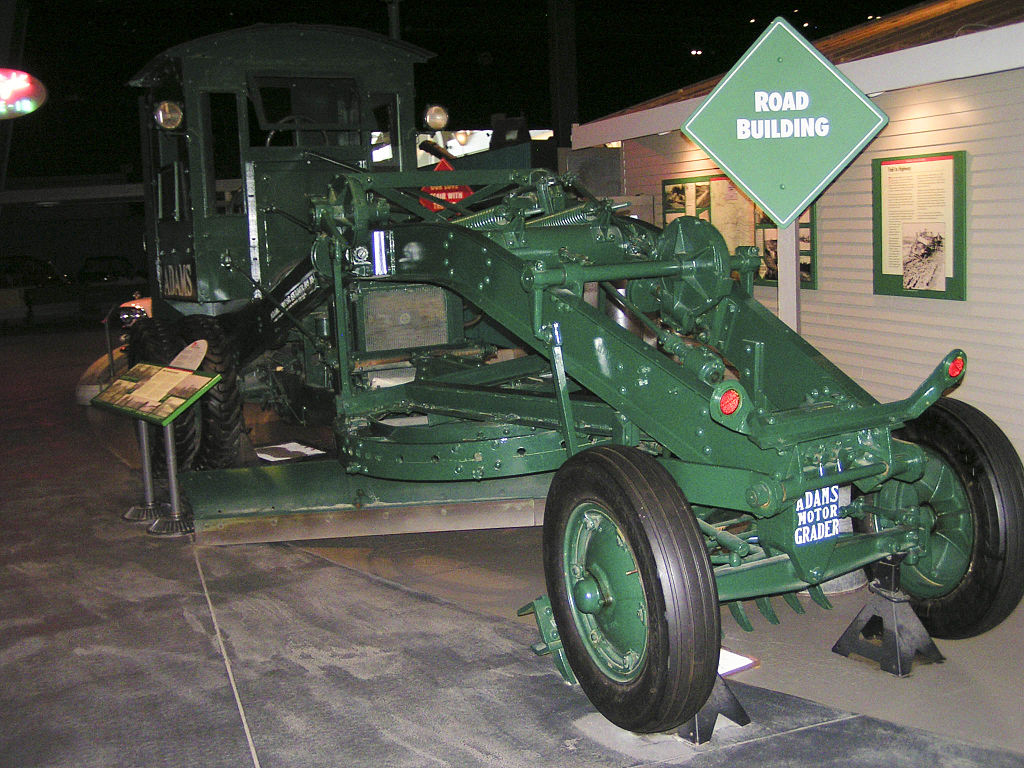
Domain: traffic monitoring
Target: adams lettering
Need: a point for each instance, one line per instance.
(178, 281)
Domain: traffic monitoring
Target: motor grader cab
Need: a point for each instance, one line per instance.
(468, 353)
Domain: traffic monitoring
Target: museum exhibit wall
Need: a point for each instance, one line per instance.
(890, 343)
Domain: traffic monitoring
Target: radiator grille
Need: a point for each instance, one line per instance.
(398, 318)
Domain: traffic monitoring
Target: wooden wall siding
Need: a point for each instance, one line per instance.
(888, 343)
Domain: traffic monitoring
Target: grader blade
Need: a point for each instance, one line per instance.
(317, 500)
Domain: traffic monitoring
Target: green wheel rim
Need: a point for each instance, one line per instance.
(606, 593)
(947, 557)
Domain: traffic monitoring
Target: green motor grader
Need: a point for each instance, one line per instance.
(529, 341)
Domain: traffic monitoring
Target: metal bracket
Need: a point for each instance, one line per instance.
(572, 443)
(887, 630)
(550, 642)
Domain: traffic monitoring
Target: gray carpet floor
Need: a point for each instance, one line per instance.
(122, 649)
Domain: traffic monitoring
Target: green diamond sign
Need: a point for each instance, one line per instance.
(784, 122)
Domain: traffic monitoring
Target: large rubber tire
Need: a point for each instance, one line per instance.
(631, 588)
(221, 407)
(157, 342)
(977, 593)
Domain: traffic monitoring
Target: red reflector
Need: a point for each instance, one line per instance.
(729, 402)
(956, 367)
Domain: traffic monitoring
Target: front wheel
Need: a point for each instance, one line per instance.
(971, 575)
(632, 589)
(221, 420)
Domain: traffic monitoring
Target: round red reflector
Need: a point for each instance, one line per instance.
(956, 367)
(729, 402)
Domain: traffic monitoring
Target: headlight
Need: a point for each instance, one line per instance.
(436, 117)
(168, 115)
(128, 315)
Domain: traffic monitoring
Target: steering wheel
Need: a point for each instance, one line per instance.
(282, 125)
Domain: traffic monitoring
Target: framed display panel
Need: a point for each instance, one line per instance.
(155, 393)
(717, 200)
(920, 225)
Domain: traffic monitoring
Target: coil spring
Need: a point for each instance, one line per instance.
(492, 218)
(581, 214)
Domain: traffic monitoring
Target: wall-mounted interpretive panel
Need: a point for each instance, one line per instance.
(920, 225)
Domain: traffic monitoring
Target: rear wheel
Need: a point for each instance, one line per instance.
(971, 576)
(631, 588)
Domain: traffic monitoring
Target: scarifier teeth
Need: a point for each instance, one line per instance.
(764, 605)
(818, 596)
(736, 609)
(793, 602)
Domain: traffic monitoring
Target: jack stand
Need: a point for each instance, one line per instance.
(888, 614)
(150, 508)
(721, 702)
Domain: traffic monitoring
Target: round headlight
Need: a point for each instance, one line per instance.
(168, 115)
(436, 117)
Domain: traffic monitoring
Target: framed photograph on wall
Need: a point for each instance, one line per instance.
(673, 200)
(920, 225)
(766, 238)
(718, 200)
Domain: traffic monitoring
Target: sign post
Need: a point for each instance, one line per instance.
(159, 394)
(782, 124)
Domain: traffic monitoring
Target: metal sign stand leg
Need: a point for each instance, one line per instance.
(149, 509)
(176, 523)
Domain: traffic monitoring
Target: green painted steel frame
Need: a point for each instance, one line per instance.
(521, 249)
(802, 424)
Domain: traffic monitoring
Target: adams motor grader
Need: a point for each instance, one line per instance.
(469, 354)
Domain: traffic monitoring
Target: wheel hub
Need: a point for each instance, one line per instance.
(587, 595)
(940, 512)
(608, 602)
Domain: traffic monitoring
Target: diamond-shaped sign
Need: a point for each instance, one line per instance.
(784, 122)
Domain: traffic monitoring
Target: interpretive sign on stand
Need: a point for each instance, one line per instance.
(155, 393)
(159, 394)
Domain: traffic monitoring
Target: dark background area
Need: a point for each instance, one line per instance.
(492, 57)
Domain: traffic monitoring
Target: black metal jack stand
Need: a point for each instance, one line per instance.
(721, 702)
(888, 616)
